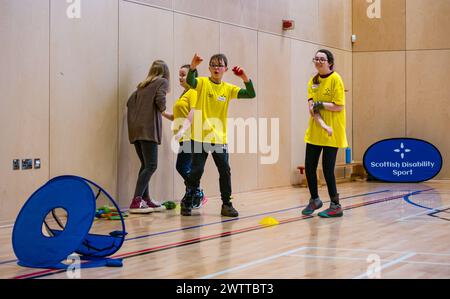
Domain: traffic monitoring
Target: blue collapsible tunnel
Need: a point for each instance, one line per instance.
(77, 197)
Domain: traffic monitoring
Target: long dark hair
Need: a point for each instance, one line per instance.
(330, 59)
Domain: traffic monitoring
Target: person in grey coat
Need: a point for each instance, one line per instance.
(144, 108)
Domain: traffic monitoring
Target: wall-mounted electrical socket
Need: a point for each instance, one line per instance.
(27, 164)
(37, 163)
(16, 164)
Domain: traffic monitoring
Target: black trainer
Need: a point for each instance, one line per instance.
(228, 210)
(186, 204)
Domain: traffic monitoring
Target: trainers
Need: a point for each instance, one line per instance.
(313, 205)
(139, 206)
(186, 204)
(199, 199)
(185, 208)
(228, 210)
(204, 201)
(155, 206)
(335, 210)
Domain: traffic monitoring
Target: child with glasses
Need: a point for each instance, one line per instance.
(314, 106)
(325, 94)
(209, 128)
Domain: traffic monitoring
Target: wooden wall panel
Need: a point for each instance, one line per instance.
(335, 23)
(378, 98)
(160, 3)
(24, 105)
(141, 42)
(83, 92)
(203, 8)
(427, 24)
(380, 34)
(427, 106)
(241, 12)
(303, 12)
(274, 77)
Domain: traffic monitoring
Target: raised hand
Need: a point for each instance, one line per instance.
(240, 72)
(196, 60)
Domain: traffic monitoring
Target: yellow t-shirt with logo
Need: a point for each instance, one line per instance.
(181, 110)
(210, 118)
(329, 89)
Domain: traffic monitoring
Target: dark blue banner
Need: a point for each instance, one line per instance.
(402, 160)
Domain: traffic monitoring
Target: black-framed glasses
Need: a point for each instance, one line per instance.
(321, 60)
(217, 65)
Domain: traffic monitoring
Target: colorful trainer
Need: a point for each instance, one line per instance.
(335, 210)
(199, 199)
(313, 205)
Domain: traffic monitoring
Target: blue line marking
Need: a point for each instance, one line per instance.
(406, 198)
(228, 220)
(250, 216)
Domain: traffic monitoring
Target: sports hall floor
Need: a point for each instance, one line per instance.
(388, 231)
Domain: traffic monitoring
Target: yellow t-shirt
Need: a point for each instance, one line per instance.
(330, 89)
(181, 110)
(210, 118)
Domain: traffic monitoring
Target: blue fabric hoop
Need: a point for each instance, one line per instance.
(77, 198)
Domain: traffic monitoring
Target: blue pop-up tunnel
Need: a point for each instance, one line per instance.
(59, 219)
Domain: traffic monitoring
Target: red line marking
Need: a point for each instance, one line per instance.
(210, 237)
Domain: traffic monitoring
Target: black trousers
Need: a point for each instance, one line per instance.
(147, 152)
(221, 159)
(184, 159)
(328, 164)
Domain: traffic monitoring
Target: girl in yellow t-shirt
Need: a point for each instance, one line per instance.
(182, 117)
(326, 103)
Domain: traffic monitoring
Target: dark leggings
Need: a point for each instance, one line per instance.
(148, 155)
(328, 163)
(184, 159)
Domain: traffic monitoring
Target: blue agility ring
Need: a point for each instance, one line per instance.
(76, 196)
